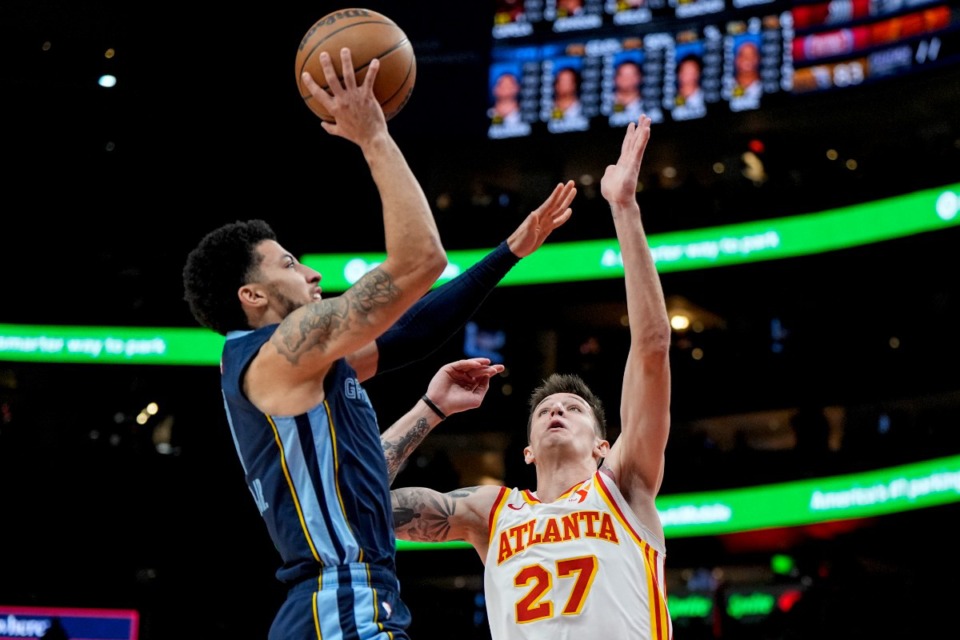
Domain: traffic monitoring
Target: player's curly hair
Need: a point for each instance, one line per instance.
(568, 383)
(225, 260)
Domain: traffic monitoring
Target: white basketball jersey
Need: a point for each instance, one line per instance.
(580, 567)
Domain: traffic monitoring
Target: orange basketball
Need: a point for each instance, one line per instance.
(368, 35)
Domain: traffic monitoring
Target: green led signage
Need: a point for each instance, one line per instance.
(110, 345)
(773, 239)
(692, 606)
(898, 217)
(902, 488)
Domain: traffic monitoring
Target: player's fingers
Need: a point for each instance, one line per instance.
(373, 68)
(467, 365)
(568, 193)
(558, 220)
(625, 145)
(641, 139)
(553, 200)
(483, 371)
(346, 65)
(562, 212)
(307, 80)
(329, 73)
(476, 382)
(319, 93)
(476, 362)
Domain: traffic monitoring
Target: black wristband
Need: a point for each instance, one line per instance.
(433, 407)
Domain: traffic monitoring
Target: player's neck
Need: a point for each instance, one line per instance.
(553, 480)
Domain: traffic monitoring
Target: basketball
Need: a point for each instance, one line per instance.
(368, 35)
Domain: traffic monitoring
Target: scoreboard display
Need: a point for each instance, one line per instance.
(577, 65)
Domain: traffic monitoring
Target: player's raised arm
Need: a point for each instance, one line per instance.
(313, 336)
(444, 310)
(423, 514)
(458, 386)
(637, 457)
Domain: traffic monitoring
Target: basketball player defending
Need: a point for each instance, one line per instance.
(582, 555)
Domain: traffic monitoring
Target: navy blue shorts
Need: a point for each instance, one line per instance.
(350, 602)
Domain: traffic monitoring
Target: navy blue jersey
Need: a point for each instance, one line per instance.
(318, 478)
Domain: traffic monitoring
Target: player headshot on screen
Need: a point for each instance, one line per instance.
(506, 102)
(566, 95)
(505, 117)
(746, 62)
(567, 111)
(689, 101)
(627, 99)
(508, 11)
(568, 8)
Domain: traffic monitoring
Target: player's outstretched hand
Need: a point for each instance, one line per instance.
(462, 385)
(619, 182)
(535, 228)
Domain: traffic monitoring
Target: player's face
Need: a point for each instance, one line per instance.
(288, 283)
(506, 87)
(688, 77)
(747, 58)
(627, 78)
(566, 83)
(563, 422)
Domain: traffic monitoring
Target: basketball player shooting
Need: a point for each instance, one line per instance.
(293, 366)
(583, 554)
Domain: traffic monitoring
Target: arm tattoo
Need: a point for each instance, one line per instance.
(423, 514)
(323, 322)
(318, 324)
(374, 289)
(397, 451)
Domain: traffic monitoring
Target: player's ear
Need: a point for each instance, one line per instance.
(251, 295)
(602, 447)
(528, 456)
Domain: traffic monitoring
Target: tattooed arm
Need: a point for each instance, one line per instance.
(287, 374)
(425, 515)
(405, 435)
(457, 386)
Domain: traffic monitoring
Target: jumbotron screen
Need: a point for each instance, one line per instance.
(577, 65)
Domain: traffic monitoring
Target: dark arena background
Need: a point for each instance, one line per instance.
(818, 357)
